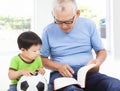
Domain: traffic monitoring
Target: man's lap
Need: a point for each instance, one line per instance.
(95, 82)
(101, 82)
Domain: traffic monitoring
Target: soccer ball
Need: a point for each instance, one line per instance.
(35, 82)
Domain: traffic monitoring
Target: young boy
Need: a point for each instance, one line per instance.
(28, 61)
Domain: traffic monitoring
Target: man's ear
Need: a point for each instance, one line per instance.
(78, 13)
(52, 13)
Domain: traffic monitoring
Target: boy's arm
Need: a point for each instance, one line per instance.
(13, 74)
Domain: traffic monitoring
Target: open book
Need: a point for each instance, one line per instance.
(81, 78)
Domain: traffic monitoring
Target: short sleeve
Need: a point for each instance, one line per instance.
(45, 49)
(41, 65)
(14, 63)
(96, 41)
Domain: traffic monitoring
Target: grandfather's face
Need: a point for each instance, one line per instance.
(65, 20)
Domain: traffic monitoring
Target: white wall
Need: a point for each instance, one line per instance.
(116, 28)
(42, 15)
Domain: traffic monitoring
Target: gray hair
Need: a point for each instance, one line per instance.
(62, 5)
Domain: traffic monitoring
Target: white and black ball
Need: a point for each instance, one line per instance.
(35, 82)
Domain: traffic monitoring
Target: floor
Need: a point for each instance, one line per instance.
(111, 67)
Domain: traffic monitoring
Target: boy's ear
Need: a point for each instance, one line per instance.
(78, 13)
(22, 49)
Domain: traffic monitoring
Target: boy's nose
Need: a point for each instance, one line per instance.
(38, 53)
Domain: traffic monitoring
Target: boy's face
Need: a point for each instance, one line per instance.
(32, 52)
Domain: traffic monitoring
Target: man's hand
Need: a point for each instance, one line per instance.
(65, 70)
(97, 63)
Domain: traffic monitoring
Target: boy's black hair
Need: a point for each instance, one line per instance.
(27, 39)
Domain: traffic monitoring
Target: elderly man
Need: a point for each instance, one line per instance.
(69, 42)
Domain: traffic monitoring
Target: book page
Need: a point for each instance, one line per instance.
(81, 75)
(63, 82)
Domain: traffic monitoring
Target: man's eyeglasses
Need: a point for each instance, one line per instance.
(65, 22)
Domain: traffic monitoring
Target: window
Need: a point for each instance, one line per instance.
(15, 17)
(97, 12)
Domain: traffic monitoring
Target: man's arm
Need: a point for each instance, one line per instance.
(100, 58)
(63, 69)
(49, 63)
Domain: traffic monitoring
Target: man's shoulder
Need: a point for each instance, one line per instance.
(49, 27)
(85, 20)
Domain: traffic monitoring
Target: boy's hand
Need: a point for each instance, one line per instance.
(41, 71)
(27, 72)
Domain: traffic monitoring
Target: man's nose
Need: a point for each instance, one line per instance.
(64, 25)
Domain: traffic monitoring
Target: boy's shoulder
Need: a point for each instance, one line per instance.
(38, 58)
(16, 57)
